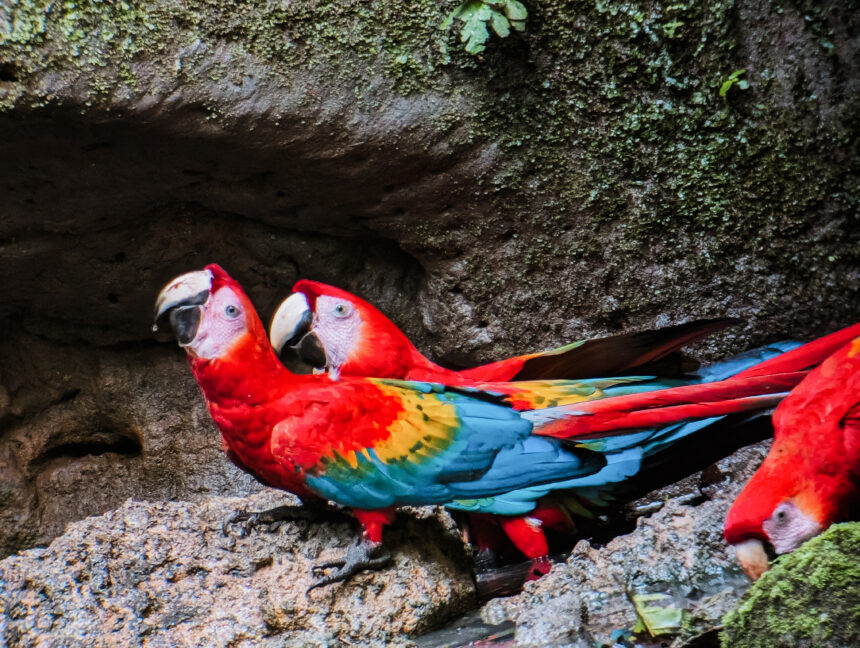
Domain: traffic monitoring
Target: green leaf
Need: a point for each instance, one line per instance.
(484, 12)
(500, 24)
(479, 15)
(475, 35)
(445, 24)
(657, 619)
(734, 78)
(464, 11)
(468, 10)
(516, 10)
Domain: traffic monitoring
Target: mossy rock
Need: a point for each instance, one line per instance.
(614, 166)
(810, 597)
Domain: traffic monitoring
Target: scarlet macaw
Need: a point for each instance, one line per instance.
(375, 444)
(349, 336)
(334, 328)
(811, 476)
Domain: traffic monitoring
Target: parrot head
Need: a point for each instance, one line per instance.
(775, 513)
(209, 313)
(810, 477)
(333, 328)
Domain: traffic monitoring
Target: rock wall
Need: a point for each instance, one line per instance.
(584, 178)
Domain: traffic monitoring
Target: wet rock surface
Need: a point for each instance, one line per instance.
(162, 574)
(490, 206)
(675, 559)
(810, 597)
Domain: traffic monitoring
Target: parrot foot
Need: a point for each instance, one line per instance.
(247, 521)
(361, 556)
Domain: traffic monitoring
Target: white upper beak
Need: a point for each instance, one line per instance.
(752, 557)
(291, 321)
(181, 290)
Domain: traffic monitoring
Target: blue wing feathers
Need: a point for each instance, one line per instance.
(493, 464)
(728, 368)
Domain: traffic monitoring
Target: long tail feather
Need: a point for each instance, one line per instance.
(611, 423)
(805, 357)
(621, 414)
(652, 352)
(619, 355)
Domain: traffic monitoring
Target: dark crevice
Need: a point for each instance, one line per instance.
(8, 72)
(104, 443)
(67, 396)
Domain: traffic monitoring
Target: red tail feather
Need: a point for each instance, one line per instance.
(805, 357)
(638, 411)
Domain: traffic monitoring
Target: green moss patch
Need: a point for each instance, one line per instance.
(810, 597)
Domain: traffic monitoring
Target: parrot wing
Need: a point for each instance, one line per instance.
(805, 357)
(441, 444)
(645, 352)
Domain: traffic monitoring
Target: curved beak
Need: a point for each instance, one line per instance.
(291, 322)
(752, 556)
(180, 301)
(291, 327)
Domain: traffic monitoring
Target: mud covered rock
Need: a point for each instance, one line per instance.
(810, 597)
(599, 172)
(674, 571)
(83, 429)
(164, 575)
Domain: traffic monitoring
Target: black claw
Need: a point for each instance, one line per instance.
(230, 519)
(361, 556)
(328, 565)
(247, 521)
(486, 560)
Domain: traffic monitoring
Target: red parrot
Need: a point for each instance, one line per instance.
(374, 444)
(811, 476)
(336, 329)
(348, 335)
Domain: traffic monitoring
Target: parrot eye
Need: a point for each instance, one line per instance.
(231, 311)
(342, 310)
(782, 515)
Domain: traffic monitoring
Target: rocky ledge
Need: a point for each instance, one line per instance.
(163, 574)
(671, 579)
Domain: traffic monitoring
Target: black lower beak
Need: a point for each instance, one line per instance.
(184, 320)
(183, 314)
(302, 329)
(311, 350)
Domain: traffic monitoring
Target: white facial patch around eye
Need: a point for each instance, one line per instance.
(789, 527)
(222, 322)
(338, 327)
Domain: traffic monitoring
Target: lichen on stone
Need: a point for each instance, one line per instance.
(810, 597)
(592, 155)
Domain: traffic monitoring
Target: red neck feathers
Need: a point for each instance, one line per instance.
(249, 372)
(383, 350)
(815, 453)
